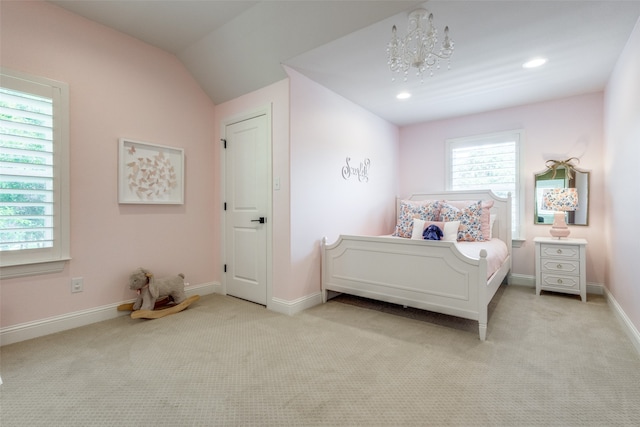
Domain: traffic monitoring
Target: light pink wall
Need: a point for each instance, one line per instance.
(277, 97)
(313, 131)
(119, 87)
(570, 127)
(622, 179)
(325, 130)
(122, 87)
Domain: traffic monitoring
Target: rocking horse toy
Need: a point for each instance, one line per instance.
(156, 297)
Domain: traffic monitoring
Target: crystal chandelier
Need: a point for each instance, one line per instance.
(418, 48)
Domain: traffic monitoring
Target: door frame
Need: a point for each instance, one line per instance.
(261, 111)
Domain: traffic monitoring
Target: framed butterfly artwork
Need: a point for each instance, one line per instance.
(150, 173)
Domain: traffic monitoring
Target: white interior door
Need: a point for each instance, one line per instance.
(247, 188)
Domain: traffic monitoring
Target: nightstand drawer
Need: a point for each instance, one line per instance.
(560, 282)
(560, 251)
(562, 266)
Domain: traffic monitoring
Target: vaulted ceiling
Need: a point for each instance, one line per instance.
(235, 47)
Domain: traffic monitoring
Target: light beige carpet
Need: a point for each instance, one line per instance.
(548, 360)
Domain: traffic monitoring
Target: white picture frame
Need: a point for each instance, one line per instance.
(150, 173)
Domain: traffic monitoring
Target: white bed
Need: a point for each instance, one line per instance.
(425, 274)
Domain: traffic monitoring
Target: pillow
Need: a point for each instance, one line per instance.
(426, 210)
(492, 219)
(486, 205)
(449, 229)
(474, 219)
(418, 228)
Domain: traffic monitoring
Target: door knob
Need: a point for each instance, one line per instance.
(261, 220)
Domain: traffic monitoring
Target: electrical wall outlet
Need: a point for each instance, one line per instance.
(77, 284)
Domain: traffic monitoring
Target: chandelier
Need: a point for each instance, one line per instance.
(418, 48)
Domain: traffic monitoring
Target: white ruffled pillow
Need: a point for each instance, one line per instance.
(418, 228)
(449, 229)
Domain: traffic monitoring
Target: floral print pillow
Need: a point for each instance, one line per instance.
(426, 210)
(471, 220)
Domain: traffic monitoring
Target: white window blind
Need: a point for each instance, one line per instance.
(26, 168)
(488, 162)
(34, 213)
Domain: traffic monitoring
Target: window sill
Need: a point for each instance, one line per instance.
(517, 243)
(47, 267)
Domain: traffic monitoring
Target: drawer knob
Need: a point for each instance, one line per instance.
(559, 281)
(560, 266)
(559, 251)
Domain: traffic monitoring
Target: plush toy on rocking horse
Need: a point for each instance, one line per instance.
(156, 297)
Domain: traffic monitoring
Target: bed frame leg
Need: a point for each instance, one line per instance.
(482, 327)
(323, 248)
(483, 318)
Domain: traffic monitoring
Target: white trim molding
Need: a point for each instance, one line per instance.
(530, 282)
(38, 328)
(22, 270)
(292, 307)
(628, 326)
(522, 280)
(44, 260)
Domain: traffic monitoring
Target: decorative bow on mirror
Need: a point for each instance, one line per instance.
(567, 164)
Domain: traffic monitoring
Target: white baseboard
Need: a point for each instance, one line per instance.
(51, 325)
(530, 282)
(522, 280)
(628, 326)
(292, 307)
(595, 288)
(204, 289)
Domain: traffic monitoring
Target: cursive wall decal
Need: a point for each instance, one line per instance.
(361, 172)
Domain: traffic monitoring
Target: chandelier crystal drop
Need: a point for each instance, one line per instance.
(418, 48)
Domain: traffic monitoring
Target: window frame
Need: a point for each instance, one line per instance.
(495, 137)
(28, 262)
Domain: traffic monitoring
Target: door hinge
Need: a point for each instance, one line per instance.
(225, 268)
(224, 141)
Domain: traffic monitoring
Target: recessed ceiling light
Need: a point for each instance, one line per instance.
(536, 62)
(403, 95)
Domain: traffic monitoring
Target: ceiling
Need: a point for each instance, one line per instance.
(235, 47)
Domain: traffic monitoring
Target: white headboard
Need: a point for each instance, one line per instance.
(501, 208)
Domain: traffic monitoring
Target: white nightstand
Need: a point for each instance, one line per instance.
(561, 266)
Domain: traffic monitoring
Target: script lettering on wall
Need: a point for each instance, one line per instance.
(361, 171)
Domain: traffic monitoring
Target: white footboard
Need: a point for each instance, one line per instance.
(430, 275)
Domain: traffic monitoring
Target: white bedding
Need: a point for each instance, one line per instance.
(497, 251)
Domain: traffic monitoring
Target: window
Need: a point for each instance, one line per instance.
(488, 162)
(34, 177)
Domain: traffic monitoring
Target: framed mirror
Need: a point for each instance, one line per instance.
(562, 178)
